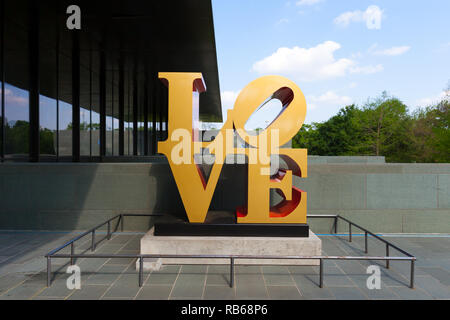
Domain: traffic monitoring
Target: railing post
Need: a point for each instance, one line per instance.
(49, 271)
(72, 251)
(387, 255)
(231, 272)
(93, 241)
(365, 242)
(335, 224)
(321, 274)
(121, 222)
(350, 232)
(141, 271)
(411, 285)
(109, 230)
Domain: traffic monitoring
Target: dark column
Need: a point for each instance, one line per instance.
(57, 23)
(102, 92)
(2, 79)
(135, 111)
(34, 80)
(121, 105)
(146, 114)
(112, 109)
(166, 112)
(75, 96)
(128, 112)
(154, 113)
(90, 99)
(160, 108)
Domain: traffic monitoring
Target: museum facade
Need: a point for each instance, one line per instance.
(89, 91)
(82, 112)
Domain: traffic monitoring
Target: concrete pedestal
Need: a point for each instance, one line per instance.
(282, 246)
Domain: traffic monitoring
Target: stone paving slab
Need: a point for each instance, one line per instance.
(23, 272)
(89, 292)
(161, 292)
(284, 293)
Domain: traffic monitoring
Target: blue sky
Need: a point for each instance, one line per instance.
(338, 52)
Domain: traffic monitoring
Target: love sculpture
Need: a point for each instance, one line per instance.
(183, 144)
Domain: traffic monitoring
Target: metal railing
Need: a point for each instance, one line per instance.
(120, 218)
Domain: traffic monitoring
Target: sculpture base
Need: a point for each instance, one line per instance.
(224, 224)
(234, 245)
(231, 230)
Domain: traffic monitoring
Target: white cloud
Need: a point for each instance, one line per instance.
(394, 51)
(307, 2)
(310, 64)
(371, 16)
(444, 95)
(228, 98)
(329, 98)
(11, 97)
(282, 21)
(367, 69)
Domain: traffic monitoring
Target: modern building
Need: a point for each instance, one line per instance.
(83, 109)
(93, 94)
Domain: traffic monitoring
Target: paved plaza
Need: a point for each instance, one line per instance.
(23, 272)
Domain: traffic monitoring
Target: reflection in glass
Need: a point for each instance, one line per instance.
(109, 124)
(116, 136)
(17, 125)
(85, 103)
(65, 129)
(85, 127)
(95, 127)
(65, 105)
(47, 127)
(16, 69)
(129, 138)
(140, 134)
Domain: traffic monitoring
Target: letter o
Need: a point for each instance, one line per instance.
(289, 121)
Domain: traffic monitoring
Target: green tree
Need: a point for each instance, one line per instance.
(46, 143)
(431, 133)
(386, 125)
(84, 126)
(340, 135)
(17, 137)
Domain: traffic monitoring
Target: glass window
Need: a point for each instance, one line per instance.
(85, 103)
(95, 109)
(140, 123)
(47, 128)
(115, 113)
(95, 134)
(16, 122)
(153, 121)
(48, 85)
(109, 131)
(109, 120)
(65, 129)
(65, 105)
(16, 80)
(85, 132)
(140, 135)
(128, 119)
